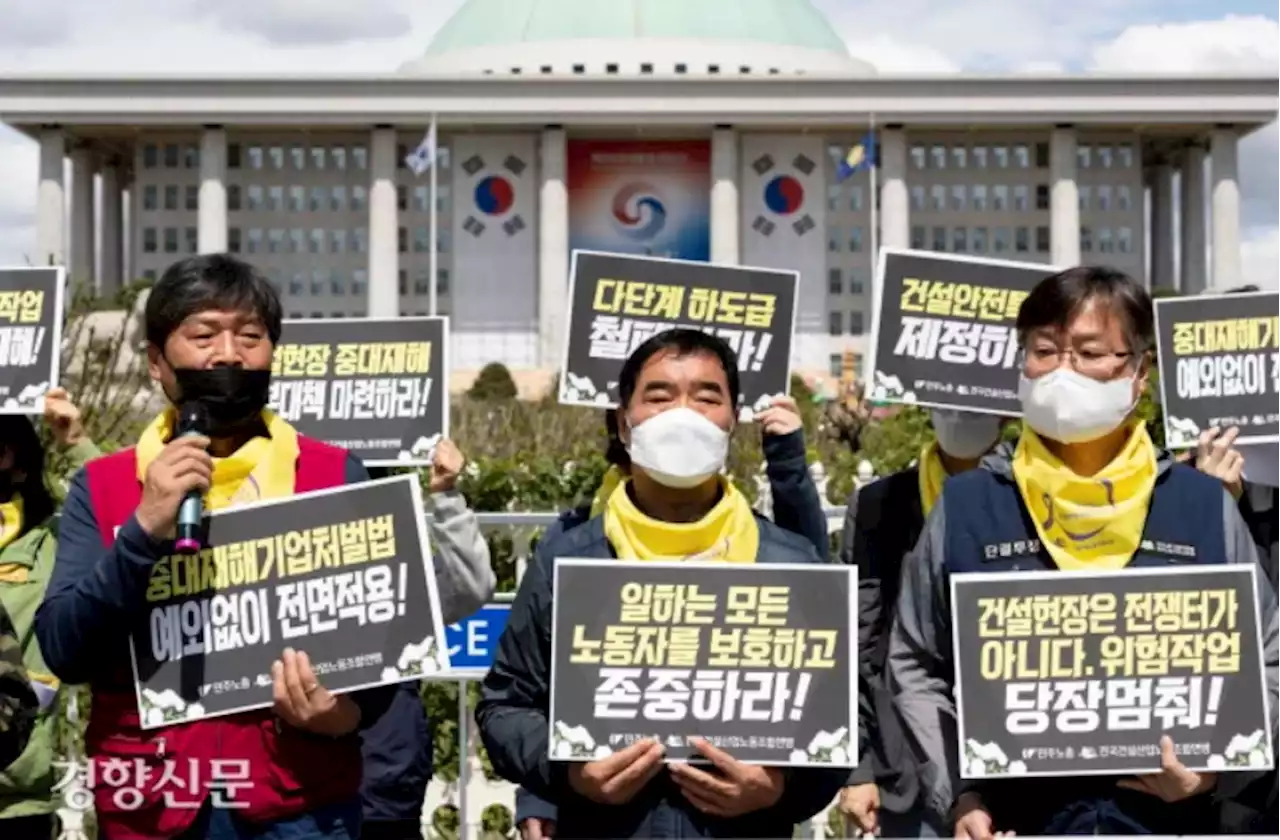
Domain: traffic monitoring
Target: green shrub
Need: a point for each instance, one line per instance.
(494, 382)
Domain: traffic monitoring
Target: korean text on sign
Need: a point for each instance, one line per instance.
(629, 312)
(958, 323)
(651, 656)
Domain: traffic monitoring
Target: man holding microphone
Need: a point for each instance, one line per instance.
(212, 323)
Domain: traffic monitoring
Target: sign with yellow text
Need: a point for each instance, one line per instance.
(1082, 673)
(943, 333)
(758, 659)
(343, 575)
(1219, 366)
(375, 386)
(31, 304)
(617, 302)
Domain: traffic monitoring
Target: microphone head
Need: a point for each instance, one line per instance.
(193, 416)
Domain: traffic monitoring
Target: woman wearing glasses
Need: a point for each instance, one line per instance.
(1087, 485)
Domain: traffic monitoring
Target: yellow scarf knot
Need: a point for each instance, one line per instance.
(932, 476)
(728, 532)
(1087, 522)
(263, 468)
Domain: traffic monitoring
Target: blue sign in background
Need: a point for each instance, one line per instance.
(474, 640)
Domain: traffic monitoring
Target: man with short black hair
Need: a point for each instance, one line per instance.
(678, 404)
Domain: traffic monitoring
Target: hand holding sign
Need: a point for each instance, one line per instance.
(63, 417)
(614, 780)
(1215, 456)
(1174, 782)
(861, 803)
(738, 789)
(446, 466)
(302, 702)
(782, 417)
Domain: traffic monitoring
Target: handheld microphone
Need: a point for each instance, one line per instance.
(193, 419)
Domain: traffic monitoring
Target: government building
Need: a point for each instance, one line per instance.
(706, 131)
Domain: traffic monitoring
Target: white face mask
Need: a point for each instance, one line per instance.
(963, 434)
(1069, 407)
(679, 448)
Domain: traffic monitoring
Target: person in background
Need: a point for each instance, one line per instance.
(212, 322)
(882, 523)
(397, 746)
(797, 508)
(28, 539)
(1087, 489)
(678, 393)
(18, 702)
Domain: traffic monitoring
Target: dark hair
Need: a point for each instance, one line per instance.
(616, 452)
(1056, 300)
(683, 342)
(1241, 290)
(18, 435)
(210, 281)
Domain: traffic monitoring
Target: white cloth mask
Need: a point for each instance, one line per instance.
(964, 434)
(1069, 407)
(679, 448)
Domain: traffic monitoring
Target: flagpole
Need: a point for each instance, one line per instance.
(875, 202)
(434, 260)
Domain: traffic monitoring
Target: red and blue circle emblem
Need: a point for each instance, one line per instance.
(494, 195)
(783, 195)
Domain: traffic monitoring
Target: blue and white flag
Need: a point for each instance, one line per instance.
(424, 156)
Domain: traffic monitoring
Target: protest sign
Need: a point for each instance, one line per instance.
(758, 659)
(31, 311)
(344, 575)
(375, 386)
(617, 302)
(1081, 673)
(943, 335)
(1219, 366)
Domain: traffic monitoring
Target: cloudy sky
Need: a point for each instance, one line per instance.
(298, 36)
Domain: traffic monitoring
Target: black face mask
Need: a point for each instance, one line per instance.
(233, 396)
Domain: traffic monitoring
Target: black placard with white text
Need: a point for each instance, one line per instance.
(344, 575)
(1082, 673)
(619, 301)
(31, 312)
(1219, 366)
(758, 659)
(375, 386)
(943, 333)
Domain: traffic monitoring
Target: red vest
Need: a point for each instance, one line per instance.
(151, 784)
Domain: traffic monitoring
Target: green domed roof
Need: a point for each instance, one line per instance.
(492, 23)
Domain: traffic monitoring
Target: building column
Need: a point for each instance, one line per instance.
(725, 225)
(1064, 198)
(553, 247)
(51, 200)
(1162, 275)
(211, 233)
(895, 209)
(111, 271)
(83, 168)
(1226, 209)
(384, 224)
(1194, 255)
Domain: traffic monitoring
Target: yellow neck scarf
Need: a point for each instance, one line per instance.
(1093, 522)
(728, 532)
(10, 529)
(10, 520)
(932, 476)
(612, 478)
(263, 468)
